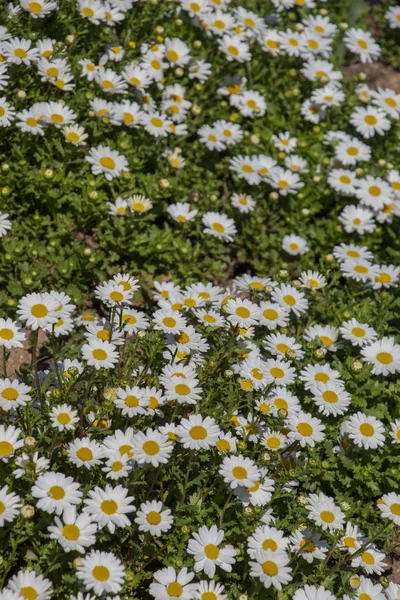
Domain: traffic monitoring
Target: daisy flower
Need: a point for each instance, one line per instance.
(271, 568)
(273, 315)
(239, 471)
(55, 492)
(305, 429)
(28, 584)
(205, 546)
(371, 560)
(362, 43)
(390, 507)
(219, 225)
(243, 202)
(197, 432)
(357, 219)
(9, 506)
(369, 121)
(312, 280)
(290, 299)
(101, 572)
(386, 276)
(235, 48)
(242, 312)
(152, 447)
(383, 355)
(323, 511)
(13, 394)
(210, 590)
(177, 52)
(85, 452)
(311, 592)
(9, 442)
(285, 181)
(64, 417)
(294, 245)
(395, 431)
(157, 124)
(184, 390)
(366, 431)
(5, 224)
(350, 151)
(100, 354)
(169, 321)
(150, 517)
(73, 532)
(359, 334)
(107, 162)
(392, 15)
(38, 310)
(308, 545)
(181, 212)
(109, 507)
(19, 51)
(169, 584)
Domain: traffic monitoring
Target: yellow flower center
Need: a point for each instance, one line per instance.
(385, 358)
(109, 507)
(9, 393)
(28, 592)
(107, 162)
(243, 312)
(71, 532)
(151, 448)
(211, 551)
(270, 545)
(395, 509)
(182, 389)
(57, 492)
(370, 120)
(277, 372)
(73, 137)
(101, 573)
(327, 516)
(367, 558)
(153, 517)
(131, 401)
(367, 430)
(84, 454)
(99, 354)
(63, 418)
(156, 122)
(218, 227)
(233, 50)
(349, 541)
(172, 55)
(304, 429)
(20, 53)
(39, 311)
(174, 589)
(330, 397)
(239, 472)
(270, 568)
(358, 331)
(116, 296)
(198, 432)
(273, 442)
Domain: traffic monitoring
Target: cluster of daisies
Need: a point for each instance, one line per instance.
(130, 429)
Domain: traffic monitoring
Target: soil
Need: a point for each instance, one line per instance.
(378, 75)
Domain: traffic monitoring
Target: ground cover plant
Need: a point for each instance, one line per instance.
(200, 248)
